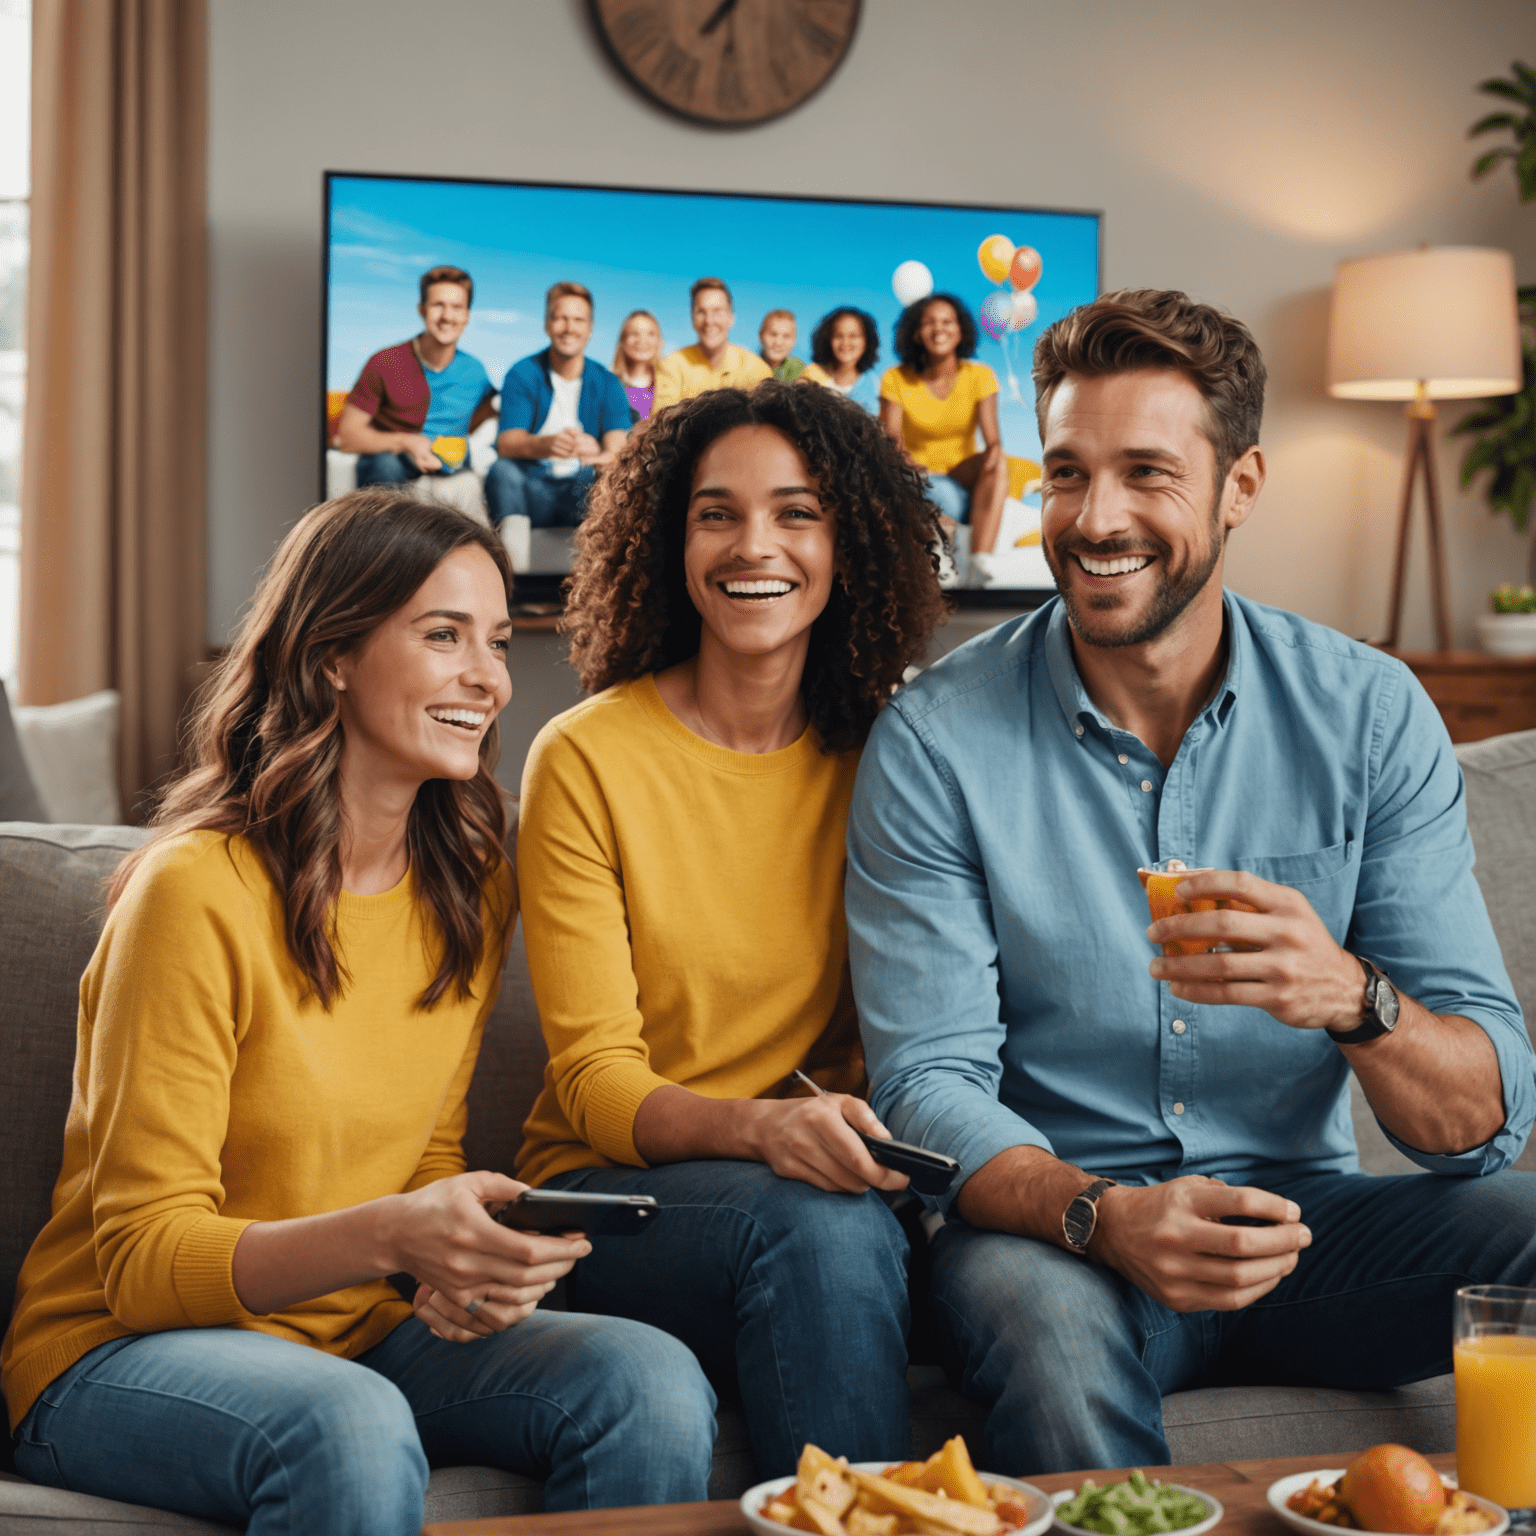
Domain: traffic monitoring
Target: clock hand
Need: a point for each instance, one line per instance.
(716, 16)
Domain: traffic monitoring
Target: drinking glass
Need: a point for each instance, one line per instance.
(1495, 1354)
(1161, 883)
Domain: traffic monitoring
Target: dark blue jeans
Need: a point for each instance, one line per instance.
(238, 1426)
(513, 488)
(796, 1295)
(1074, 1360)
(386, 469)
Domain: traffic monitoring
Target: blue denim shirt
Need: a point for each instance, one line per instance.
(998, 929)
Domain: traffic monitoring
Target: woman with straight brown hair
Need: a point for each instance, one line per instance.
(277, 1033)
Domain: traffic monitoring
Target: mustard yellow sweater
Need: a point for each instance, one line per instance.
(683, 907)
(212, 1090)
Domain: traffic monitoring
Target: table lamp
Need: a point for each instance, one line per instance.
(1430, 324)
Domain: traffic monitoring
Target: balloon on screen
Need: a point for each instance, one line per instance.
(1024, 269)
(996, 311)
(994, 255)
(1022, 310)
(911, 281)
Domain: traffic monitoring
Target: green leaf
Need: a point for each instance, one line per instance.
(1485, 163)
(1492, 121)
(1520, 496)
(1525, 73)
(1506, 89)
(1478, 457)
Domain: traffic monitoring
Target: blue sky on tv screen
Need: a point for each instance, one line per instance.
(640, 250)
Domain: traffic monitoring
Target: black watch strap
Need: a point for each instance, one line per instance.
(1082, 1216)
(1380, 1012)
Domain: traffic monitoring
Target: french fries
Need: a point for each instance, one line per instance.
(942, 1496)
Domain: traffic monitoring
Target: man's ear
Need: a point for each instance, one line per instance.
(1245, 480)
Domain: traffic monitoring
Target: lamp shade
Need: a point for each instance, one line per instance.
(1443, 317)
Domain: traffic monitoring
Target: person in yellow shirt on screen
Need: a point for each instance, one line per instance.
(753, 578)
(276, 1038)
(934, 403)
(715, 362)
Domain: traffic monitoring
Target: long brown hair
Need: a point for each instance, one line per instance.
(265, 739)
(627, 608)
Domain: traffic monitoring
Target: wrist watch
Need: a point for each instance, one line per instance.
(1379, 1016)
(1082, 1215)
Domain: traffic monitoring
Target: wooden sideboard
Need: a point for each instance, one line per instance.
(1477, 694)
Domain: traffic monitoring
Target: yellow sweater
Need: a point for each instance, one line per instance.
(212, 1090)
(683, 906)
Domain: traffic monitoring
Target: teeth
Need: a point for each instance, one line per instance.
(1120, 567)
(759, 588)
(474, 717)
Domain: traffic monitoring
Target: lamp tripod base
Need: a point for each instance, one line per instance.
(1421, 460)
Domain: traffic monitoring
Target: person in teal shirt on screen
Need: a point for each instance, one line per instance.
(1159, 1184)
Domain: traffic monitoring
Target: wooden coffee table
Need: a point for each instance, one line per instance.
(1239, 1485)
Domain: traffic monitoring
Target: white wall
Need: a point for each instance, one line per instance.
(1239, 148)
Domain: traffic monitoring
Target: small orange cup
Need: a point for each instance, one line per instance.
(1161, 883)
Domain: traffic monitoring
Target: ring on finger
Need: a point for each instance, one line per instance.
(473, 1306)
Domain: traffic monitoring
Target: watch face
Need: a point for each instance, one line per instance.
(1078, 1222)
(727, 62)
(1384, 1002)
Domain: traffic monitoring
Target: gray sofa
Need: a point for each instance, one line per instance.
(50, 885)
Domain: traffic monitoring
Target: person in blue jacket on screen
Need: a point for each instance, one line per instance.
(563, 417)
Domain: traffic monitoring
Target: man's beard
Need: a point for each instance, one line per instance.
(1174, 592)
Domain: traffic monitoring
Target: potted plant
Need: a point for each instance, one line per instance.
(1504, 429)
(1510, 629)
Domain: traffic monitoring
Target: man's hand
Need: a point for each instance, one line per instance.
(811, 1140)
(587, 446)
(1169, 1240)
(419, 450)
(566, 443)
(1296, 972)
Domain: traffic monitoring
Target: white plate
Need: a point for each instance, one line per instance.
(1058, 1499)
(1041, 1509)
(1282, 1488)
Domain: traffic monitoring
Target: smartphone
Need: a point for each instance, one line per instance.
(929, 1173)
(1246, 1221)
(558, 1210)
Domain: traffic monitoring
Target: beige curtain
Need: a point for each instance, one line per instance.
(113, 581)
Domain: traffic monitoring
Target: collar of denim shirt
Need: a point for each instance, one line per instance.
(1080, 709)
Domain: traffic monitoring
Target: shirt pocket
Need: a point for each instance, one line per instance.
(1327, 878)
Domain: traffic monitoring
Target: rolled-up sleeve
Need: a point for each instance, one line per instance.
(1420, 915)
(924, 955)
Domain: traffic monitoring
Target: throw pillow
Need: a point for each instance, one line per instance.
(71, 749)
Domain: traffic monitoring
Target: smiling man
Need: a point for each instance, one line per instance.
(680, 853)
(563, 417)
(1160, 1184)
(715, 361)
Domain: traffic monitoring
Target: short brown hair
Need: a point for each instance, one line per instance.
(1157, 328)
(695, 289)
(627, 608)
(568, 291)
(449, 275)
(778, 314)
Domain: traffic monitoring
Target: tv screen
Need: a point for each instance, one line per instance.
(637, 249)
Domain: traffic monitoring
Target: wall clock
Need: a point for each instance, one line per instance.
(727, 62)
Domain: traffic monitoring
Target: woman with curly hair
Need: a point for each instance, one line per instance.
(753, 577)
(277, 1032)
(933, 403)
(844, 349)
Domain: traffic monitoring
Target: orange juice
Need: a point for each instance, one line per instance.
(1161, 885)
(1496, 1417)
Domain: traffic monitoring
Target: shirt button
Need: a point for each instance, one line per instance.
(1077, 730)
(1178, 1109)
(1146, 786)
(1179, 1026)
(1124, 758)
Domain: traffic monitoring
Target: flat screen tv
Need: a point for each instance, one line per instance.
(641, 248)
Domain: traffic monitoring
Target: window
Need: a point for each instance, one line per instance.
(15, 184)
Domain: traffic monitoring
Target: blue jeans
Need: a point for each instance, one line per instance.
(242, 1427)
(950, 497)
(1074, 1360)
(513, 487)
(796, 1295)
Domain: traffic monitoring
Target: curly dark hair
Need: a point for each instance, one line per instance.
(821, 338)
(627, 608)
(909, 347)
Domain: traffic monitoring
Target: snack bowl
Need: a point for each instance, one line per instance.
(1042, 1511)
(1282, 1488)
(1067, 1494)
